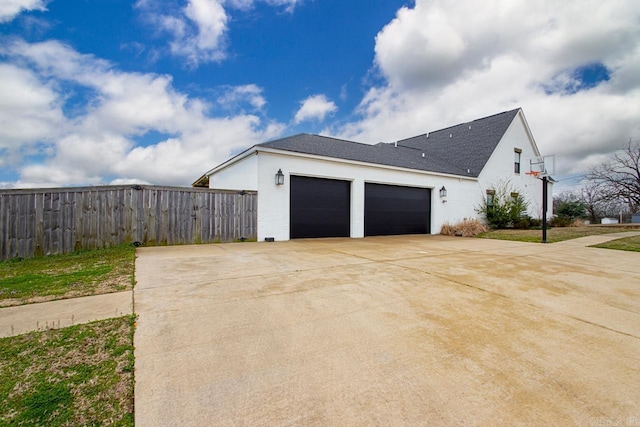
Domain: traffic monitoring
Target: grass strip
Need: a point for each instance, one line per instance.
(625, 244)
(557, 234)
(80, 375)
(76, 274)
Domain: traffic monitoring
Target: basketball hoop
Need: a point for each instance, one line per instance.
(543, 167)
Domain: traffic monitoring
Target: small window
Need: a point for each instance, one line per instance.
(490, 196)
(517, 153)
(514, 197)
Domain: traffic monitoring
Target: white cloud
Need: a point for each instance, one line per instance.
(211, 19)
(315, 107)
(234, 96)
(100, 143)
(129, 181)
(289, 5)
(199, 28)
(446, 62)
(176, 160)
(9, 9)
(30, 113)
(344, 94)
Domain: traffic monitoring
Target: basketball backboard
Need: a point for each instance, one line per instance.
(543, 165)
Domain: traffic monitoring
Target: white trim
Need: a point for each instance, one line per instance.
(308, 175)
(395, 184)
(528, 131)
(235, 159)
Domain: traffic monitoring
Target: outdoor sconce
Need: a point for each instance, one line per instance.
(279, 177)
(443, 194)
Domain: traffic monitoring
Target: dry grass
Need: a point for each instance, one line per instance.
(465, 228)
(558, 234)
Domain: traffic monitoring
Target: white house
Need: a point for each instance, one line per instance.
(330, 187)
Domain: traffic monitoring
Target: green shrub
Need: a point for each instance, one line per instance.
(560, 221)
(535, 222)
(572, 210)
(522, 223)
(506, 208)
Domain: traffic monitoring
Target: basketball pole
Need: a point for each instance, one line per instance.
(544, 209)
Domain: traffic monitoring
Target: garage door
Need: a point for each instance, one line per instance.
(320, 207)
(392, 209)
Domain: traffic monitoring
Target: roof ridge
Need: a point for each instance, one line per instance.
(459, 124)
(313, 135)
(340, 139)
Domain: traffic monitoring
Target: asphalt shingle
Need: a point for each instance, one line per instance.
(463, 149)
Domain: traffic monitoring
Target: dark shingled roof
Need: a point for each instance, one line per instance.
(463, 149)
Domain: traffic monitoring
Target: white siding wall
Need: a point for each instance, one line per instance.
(257, 172)
(242, 175)
(500, 167)
(273, 201)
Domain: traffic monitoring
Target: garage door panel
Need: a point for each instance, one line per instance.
(393, 210)
(319, 207)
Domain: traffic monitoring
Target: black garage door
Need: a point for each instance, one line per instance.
(392, 209)
(320, 207)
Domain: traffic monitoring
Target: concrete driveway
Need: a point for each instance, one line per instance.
(411, 330)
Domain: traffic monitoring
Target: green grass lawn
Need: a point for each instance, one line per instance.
(80, 375)
(557, 234)
(62, 276)
(624, 244)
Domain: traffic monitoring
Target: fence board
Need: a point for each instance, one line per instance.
(12, 229)
(54, 221)
(69, 214)
(27, 230)
(120, 215)
(4, 235)
(148, 213)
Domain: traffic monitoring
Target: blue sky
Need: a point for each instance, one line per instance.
(319, 47)
(159, 91)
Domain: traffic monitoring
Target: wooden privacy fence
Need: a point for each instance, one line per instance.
(61, 220)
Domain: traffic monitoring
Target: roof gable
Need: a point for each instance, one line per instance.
(461, 150)
(381, 154)
(467, 146)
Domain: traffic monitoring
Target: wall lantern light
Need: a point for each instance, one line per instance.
(279, 177)
(443, 192)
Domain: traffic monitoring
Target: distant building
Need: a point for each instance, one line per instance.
(635, 218)
(610, 221)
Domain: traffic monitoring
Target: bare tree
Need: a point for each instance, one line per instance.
(619, 178)
(594, 200)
